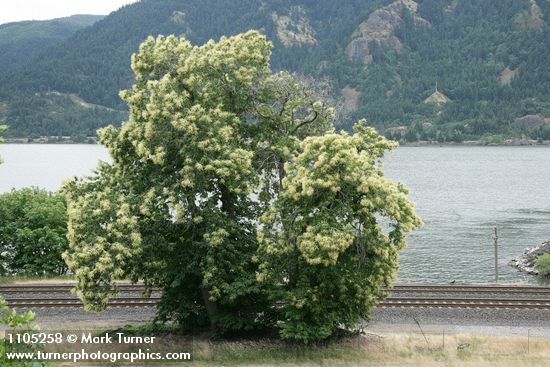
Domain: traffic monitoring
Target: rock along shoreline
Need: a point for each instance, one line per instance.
(526, 262)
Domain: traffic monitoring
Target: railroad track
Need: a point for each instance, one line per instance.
(465, 303)
(56, 288)
(125, 287)
(469, 289)
(54, 301)
(75, 302)
(454, 297)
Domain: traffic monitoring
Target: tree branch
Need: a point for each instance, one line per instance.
(306, 122)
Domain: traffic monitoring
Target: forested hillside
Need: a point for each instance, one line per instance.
(20, 42)
(431, 69)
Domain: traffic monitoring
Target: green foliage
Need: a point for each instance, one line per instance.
(9, 317)
(542, 264)
(493, 140)
(16, 322)
(33, 227)
(215, 142)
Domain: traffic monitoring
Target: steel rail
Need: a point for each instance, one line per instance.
(75, 302)
(400, 287)
(469, 300)
(13, 288)
(24, 288)
(469, 289)
(391, 302)
(463, 304)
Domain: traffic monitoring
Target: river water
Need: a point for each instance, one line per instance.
(461, 193)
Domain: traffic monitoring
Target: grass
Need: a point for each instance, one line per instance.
(275, 353)
(9, 279)
(385, 350)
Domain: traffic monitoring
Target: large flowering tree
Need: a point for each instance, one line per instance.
(230, 191)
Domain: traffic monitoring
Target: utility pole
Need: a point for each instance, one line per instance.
(495, 239)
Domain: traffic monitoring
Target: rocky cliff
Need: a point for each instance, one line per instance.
(380, 27)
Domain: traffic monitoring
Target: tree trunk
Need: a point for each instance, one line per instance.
(228, 202)
(282, 174)
(211, 307)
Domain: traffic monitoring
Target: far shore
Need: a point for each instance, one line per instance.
(421, 143)
(52, 140)
(479, 143)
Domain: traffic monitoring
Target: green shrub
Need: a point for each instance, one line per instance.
(493, 140)
(33, 228)
(13, 321)
(542, 264)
